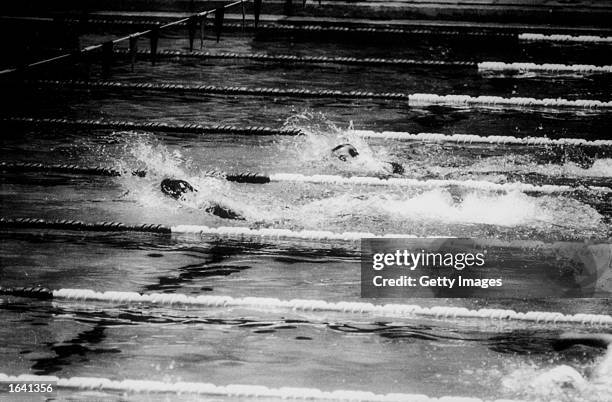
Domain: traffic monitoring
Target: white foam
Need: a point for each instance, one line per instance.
(563, 382)
(439, 205)
(521, 164)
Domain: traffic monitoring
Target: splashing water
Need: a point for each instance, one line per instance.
(511, 209)
(142, 152)
(320, 136)
(600, 168)
(324, 207)
(524, 164)
(563, 382)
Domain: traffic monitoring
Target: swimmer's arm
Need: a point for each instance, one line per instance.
(223, 212)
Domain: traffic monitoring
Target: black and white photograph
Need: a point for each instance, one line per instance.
(316, 200)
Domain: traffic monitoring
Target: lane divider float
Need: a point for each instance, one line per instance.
(479, 139)
(263, 234)
(230, 391)
(259, 178)
(483, 66)
(414, 99)
(307, 305)
(253, 130)
(500, 67)
(538, 37)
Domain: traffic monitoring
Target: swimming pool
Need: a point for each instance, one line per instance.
(276, 348)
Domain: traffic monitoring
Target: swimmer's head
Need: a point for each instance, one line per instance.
(345, 152)
(176, 188)
(396, 168)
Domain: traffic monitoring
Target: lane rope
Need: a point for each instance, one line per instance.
(478, 139)
(244, 177)
(468, 32)
(241, 233)
(214, 90)
(413, 99)
(258, 178)
(432, 183)
(282, 28)
(536, 37)
(496, 66)
(70, 224)
(225, 129)
(194, 128)
(498, 101)
(306, 305)
(368, 61)
(484, 66)
(499, 32)
(416, 99)
(231, 391)
(62, 168)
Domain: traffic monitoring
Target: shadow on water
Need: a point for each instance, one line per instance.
(188, 273)
(213, 257)
(80, 348)
(539, 344)
(211, 266)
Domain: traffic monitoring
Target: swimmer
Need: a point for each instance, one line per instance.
(564, 376)
(178, 188)
(345, 152)
(561, 378)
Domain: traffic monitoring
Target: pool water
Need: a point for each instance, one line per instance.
(327, 351)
